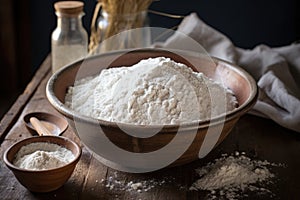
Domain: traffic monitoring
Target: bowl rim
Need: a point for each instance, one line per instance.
(241, 109)
(43, 139)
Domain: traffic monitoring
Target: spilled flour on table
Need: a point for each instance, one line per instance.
(229, 176)
(116, 183)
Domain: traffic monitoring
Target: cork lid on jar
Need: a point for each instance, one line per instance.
(69, 7)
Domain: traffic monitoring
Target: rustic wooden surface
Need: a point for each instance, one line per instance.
(259, 138)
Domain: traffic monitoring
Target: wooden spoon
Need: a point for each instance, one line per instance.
(39, 127)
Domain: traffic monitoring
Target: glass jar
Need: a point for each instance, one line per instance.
(123, 31)
(69, 41)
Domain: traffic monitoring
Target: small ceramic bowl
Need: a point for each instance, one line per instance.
(43, 180)
(55, 124)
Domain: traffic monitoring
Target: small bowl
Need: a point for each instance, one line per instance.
(43, 180)
(56, 125)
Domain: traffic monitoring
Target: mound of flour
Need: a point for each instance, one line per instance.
(235, 176)
(42, 155)
(153, 91)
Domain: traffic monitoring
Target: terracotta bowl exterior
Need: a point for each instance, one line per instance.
(43, 180)
(238, 80)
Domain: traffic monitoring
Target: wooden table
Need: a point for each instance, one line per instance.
(259, 138)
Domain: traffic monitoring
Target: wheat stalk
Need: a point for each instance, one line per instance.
(118, 11)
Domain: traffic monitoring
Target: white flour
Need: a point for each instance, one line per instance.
(116, 183)
(59, 57)
(230, 176)
(153, 91)
(42, 155)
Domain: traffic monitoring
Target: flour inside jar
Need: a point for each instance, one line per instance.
(153, 91)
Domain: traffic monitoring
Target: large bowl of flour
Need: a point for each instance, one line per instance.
(146, 109)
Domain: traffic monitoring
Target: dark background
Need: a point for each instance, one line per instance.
(26, 27)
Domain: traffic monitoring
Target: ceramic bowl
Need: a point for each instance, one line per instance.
(43, 180)
(232, 76)
(55, 124)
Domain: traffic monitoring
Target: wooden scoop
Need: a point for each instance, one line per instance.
(39, 127)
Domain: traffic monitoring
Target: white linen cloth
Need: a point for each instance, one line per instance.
(276, 70)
